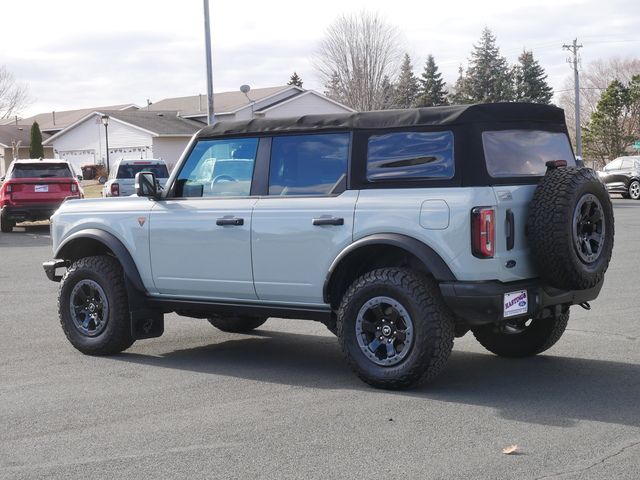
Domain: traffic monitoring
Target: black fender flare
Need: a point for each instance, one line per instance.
(112, 243)
(431, 260)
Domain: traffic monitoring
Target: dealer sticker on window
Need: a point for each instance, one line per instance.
(515, 303)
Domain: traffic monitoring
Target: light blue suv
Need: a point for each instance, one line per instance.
(399, 230)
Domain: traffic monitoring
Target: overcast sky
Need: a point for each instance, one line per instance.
(80, 53)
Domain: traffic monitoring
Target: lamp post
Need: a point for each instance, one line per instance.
(105, 122)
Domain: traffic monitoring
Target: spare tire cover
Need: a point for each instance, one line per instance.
(570, 228)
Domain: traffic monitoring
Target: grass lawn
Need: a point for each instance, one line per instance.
(92, 191)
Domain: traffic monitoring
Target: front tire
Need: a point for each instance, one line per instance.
(237, 324)
(634, 190)
(93, 306)
(522, 338)
(6, 224)
(394, 328)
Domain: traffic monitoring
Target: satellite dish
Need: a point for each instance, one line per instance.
(245, 89)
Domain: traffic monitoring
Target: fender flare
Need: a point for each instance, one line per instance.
(431, 260)
(112, 243)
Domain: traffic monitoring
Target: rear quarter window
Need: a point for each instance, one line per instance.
(410, 155)
(524, 153)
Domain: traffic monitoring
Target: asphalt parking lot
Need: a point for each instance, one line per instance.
(281, 402)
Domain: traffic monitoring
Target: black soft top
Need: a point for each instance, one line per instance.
(487, 113)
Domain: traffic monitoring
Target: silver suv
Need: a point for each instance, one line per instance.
(399, 230)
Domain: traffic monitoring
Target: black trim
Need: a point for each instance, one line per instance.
(431, 260)
(260, 180)
(110, 241)
(50, 269)
(478, 303)
(203, 308)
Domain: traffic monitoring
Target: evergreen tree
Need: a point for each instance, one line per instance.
(406, 88)
(615, 123)
(488, 77)
(531, 81)
(459, 94)
(35, 147)
(432, 90)
(295, 80)
(334, 89)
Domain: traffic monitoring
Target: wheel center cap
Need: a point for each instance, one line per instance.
(92, 307)
(386, 330)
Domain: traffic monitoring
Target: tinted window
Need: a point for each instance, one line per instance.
(126, 171)
(218, 168)
(410, 155)
(309, 164)
(41, 170)
(521, 153)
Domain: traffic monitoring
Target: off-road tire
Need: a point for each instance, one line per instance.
(539, 336)
(237, 324)
(6, 225)
(550, 228)
(634, 186)
(107, 272)
(432, 324)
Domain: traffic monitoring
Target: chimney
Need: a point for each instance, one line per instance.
(53, 115)
(199, 102)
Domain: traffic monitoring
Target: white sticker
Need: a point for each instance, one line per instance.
(42, 188)
(515, 303)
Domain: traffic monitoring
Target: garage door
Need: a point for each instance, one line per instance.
(78, 158)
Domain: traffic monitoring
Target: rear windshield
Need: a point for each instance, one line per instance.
(524, 153)
(41, 170)
(129, 170)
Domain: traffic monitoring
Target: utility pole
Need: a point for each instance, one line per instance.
(573, 48)
(207, 43)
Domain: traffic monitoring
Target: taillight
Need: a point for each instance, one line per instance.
(74, 188)
(9, 188)
(115, 190)
(483, 232)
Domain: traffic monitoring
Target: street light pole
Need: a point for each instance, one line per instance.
(105, 122)
(207, 43)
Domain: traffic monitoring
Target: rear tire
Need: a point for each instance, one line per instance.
(405, 310)
(93, 306)
(237, 324)
(515, 339)
(634, 190)
(6, 224)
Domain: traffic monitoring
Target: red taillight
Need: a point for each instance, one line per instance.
(115, 190)
(483, 232)
(74, 188)
(9, 188)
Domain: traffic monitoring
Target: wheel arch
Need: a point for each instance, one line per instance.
(89, 242)
(381, 250)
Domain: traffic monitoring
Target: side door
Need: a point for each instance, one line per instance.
(305, 219)
(200, 234)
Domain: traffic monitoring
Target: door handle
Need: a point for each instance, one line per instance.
(230, 221)
(327, 221)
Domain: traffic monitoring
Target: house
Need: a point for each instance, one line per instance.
(272, 102)
(15, 141)
(129, 134)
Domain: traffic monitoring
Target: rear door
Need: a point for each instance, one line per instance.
(516, 160)
(306, 219)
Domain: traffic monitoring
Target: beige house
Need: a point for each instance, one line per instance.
(14, 144)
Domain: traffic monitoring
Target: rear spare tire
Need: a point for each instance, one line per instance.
(570, 228)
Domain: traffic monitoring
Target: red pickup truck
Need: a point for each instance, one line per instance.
(33, 189)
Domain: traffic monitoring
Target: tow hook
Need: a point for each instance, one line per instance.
(585, 305)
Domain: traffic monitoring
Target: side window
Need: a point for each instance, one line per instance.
(410, 155)
(218, 168)
(615, 165)
(309, 164)
(627, 164)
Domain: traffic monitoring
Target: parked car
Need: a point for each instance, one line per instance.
(399, 230)
(33, 189)
(122, 176)
(622, 175)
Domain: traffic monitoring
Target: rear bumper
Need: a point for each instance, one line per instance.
(479, 303)
(25, 212)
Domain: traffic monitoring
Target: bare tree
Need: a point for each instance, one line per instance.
(594, 80)
(13, 96)
(354, 58)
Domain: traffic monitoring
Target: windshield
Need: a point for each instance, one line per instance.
(127, 171)
(523, 153)
(41, 170)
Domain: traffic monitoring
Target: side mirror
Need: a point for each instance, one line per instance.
(79, 177)
(1, 179)
(146, 185)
